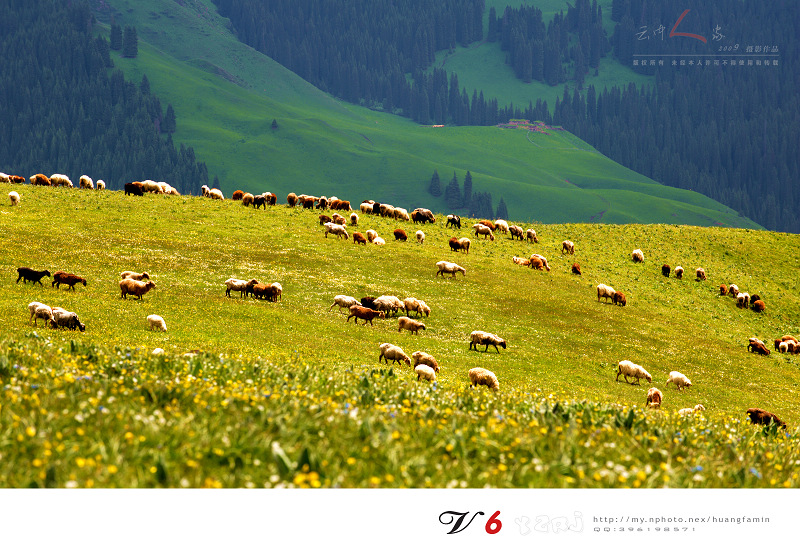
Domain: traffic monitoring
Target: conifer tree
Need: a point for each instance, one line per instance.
(435, 187)
(169, 124)
(452, 194)
(116, 37)
(130, 43)
(467, 190)
(502, 210)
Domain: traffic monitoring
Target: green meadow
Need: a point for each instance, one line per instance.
(292, 394)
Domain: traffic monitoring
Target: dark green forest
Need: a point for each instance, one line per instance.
(65, 109)
(729, 133)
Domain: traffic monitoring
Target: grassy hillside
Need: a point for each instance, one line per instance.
(283, 390)
(226, 96)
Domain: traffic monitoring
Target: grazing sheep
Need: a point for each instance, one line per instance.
(654, 397)
(733, 291)
(135, 287)
(42, 312)
(521, 261)
(389, 304)
(757, 346)
(353, 219)
(63, 319)
(85, 182)
(401, 214)
(365, 314)
(762, 417)
(61, 180)
(371, 235)
(204, 190)
(39, 180)
(759, 306)
(483, 230)
(134, 189)
(462, 244)
(343, 302)
(418, 306)
(637, 256)
(530, 235)
(422, 216)
(486, 339)
(486, 223)
(516, 232)
(690, 411)
(33, 306)
(339, 204)
(336, 229)
(358, 238)
(214, 193)
(379, 241)
(101, 185)
(368, 302)
(271, 198)
(454, 221)
(238, 285)
(567, 247)
(322, 203)
(754, 298)
(5, 178)
(425, 358)
(394, 353)
(134, 275)
(536, 263)
(628, 369)
(400, 234)
(336, 218)
(448, 267)
(291, 199)
(425, 372)
(605, 291)
(665, 270)
(269, 292)
(481, 376)
(278, 289)
(619, 299)
(542, 258)
(13, 197)
(156, 322)
(679, 380)
(386, 210)
(678, 272)
(409, 324)
(247, 199)
(14, 179)
(324, 219)
(28, 274)
(61, 277)
(743, 300)
(723, 290)
(420, 236)
(576, 269)
(366, 207)
(700, 273)
(238, 195)
(501, 226)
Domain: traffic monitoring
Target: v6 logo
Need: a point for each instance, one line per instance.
(456, 519)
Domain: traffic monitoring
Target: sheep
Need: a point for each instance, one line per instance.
(150, 186)
(336, 229)
(605, 291)
(723, 290)
(501, 225)
(536, 263)
(214, 193)
(637, 256)
(61, 180)
(135, 287)
(238, 285)
(743, 300)
(158, 352)
(167, 189)
(388, 304)
(654, 397)
(366, 207)
(267, 292)
(484, 230)
(448, 267)
(204, 190)
(60, 277)
(454, 221)
(13, 197)
(521, 261)
(459, 245)
(487, 339)
(481, 376)
(423, 216)
(365, 314)
(530, 236)
(371, 235)
(336, 218)
(401, 214)
(66, 319)
(757, 346)
(368, 302)
(379, 241)
(543, 259)
(14, 179)
(339, 204)
(486, 223)
(353, 219)
(425, 358)
(733, 291)
(619, 299)
(343, 302)
(762, 417)
(628, 369)
(400, 234)
(134, 189)
(689, 411)
(567, 247)
(322, 203)
(42, 312)
(394, 353)
(134, 275)
(516, 232)
(156, 322)
(425, 372)
(759, 306)
(101, 185)
(39, 180)
(786, 346)
(85, 182)
(418, 306)
(28, 274)
(665, 270)
(358, 238)
(291, 199)
(700, 273)
(5, 178)
(386, 210)
(278, 289)
(409, 324)
(754, 298)
(678, 272)
(679, 380)
(271, 198)
(324, 219)
(247, 199)
(420, 235)
(238, 195)
(33, 306)
(576, 268)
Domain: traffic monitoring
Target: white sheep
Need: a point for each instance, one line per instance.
(158, 352)
(85, 182)
(484, 230)
(214, 193)
(371, 235)
(401, 214)
(150, 186)
(743, 300)
(394, 353)
(5, 178)
(679, 272)
(204, 189)
(521, 261)
(354, 219)
(409, 324)
(679, 380)
(690, 411)
(338, 230)
(156, 322)
(637, 256)
(733, 290)
(278, 289)
(42, 312)
(343, 302)
(61, 180)
(481, 376)
(448, 267)
(628, 369)
(487, 339)
(412, 304)
(425, 358)
(388, 304)
(238, 285)
(379, 241)
(530, 235)
(420, 236)
(366, 207)
(101, 185)
(605, 291)
(32, 307)
(13, 197)
(501, 225)
(134, 275)
(567, 247)
(425, 372)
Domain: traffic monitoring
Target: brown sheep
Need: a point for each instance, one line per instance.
(654, 397)
(619, 299)
(341, 205)
(665, 270)
(358, 238)
(14, 179)
(270, 292)
(679, 272)
(425, 358)
(409, 324)
(762, 417)
(637, 256)
(291, 199)
(248, 199)
(400, 234)
(537, 264)
(272, 199)
(488, 223)
(516, 232)
(61, 277)
(723, 290)
(39, 180)
(576, 269)
(135, 287)
(134, 188)
(759, 306)
(701, 273)
(237, 195)
(460, 245)
(755, 345)
(308, 203)
(365, 314)
(323, 219)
